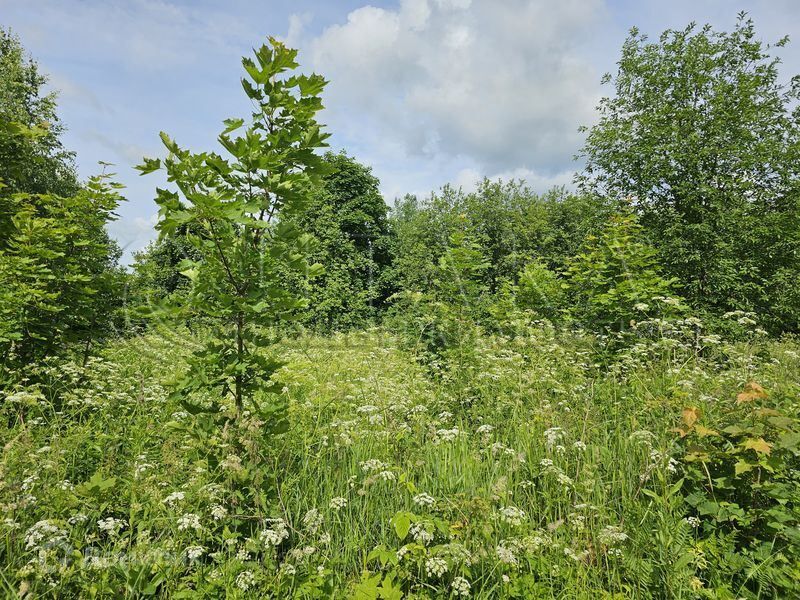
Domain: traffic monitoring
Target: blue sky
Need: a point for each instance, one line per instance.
(425, 91)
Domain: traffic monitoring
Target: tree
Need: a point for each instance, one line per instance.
(36, 164)
(59, 281)
(238, 214)
(59, 284)
(705, 140)
(348, 218)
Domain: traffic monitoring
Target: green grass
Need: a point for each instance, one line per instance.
(551, 476)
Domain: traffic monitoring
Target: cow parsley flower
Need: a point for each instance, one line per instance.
(312, 520)
(245, 580)
(421, 534)
(424, 500)
(611, 535)
(189, 521)
(435, 566)
(461, 587)
(693, 522)
(338, 503)
(218, 512)
(276, 534)
(174, 498)
(552, 436)
(44, 533)
(110, 525)
(512, 515)
(506, 555)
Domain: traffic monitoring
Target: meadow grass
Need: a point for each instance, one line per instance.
(531, 471)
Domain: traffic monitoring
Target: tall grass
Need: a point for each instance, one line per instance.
(536, 473)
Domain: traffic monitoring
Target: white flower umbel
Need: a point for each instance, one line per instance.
(461, 587)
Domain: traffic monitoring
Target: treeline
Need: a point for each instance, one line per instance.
(688, 205)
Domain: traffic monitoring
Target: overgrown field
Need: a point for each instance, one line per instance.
(529, 471)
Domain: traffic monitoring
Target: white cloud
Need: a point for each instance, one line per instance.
(135, 233)
(500, 84)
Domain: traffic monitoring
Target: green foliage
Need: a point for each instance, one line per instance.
(35, 163)
(441, 323)
(704, 138)
(741, 463)
(615, 280)
(237, 215)
(59, 284)
(347, 216)
(156, 278)
(513, 224)
(541, 290)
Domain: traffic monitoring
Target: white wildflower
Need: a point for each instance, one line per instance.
(245, 580)
(421, 534)
(110, 525)
(693, 522)
(338, 503)
(435, 566)
(512, 515)
(373, 464)
(424, 500)
(506, 555)
(189, 521)
(387, 475)
(195, 552)
(312, 520)
(275, 534)
(461, 587)
(553, 435)
(44, 533)
(174, 498)
(611, 535)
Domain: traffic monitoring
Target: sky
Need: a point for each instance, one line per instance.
(426, 92)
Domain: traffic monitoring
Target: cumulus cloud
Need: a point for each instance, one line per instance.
(500, 84)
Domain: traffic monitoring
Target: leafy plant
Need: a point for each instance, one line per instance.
(615, 280)
(742, 484)
(232, 208)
